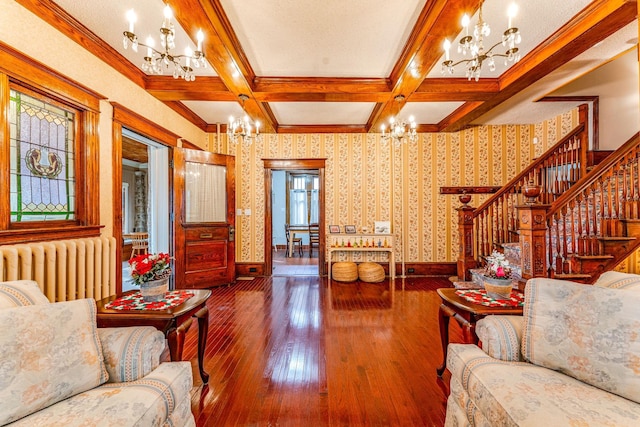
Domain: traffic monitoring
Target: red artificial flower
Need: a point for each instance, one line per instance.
(500, 271)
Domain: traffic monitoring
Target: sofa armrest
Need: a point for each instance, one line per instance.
(501, 337)
(131, 353)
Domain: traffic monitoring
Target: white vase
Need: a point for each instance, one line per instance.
(154, 290)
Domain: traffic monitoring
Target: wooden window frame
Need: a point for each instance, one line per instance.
(25, 75)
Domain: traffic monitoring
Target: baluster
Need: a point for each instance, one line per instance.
(558, 262)
(574, 240)
(550, 254)
(587, 225)
(555, 177)
(565, 251)
(499, 225)
(594, 227)
(513, 215)
(605, 212)
(565, 169)
(625, 193)
(581, 235)
(574, 156)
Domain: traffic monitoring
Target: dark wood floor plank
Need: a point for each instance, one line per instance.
(294, 351)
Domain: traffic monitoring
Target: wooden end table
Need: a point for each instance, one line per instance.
(173, 322)
(467, 315)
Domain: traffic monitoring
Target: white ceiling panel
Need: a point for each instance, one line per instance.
(429, 112)
(322, 113)
(215, 112)
(329, 38)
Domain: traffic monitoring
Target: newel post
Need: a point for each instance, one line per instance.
(532, 218)
(466, 259)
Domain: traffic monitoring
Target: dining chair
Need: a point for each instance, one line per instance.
(296, 241)
(314, 238)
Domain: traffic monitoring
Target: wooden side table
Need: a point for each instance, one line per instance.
(173, 322)
(467, 315)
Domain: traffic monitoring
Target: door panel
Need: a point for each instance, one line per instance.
(204, 218)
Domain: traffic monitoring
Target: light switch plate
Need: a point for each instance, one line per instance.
(247, 212)
(239, 212)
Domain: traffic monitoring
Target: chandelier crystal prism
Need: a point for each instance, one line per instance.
(400, 130)
(241, 128)
(158, 61)
(474, 45)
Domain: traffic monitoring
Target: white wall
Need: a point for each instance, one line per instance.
(616, 84)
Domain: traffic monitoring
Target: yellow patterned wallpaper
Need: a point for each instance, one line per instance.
(368, 179)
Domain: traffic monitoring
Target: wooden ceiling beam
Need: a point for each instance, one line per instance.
(439, 19)
(455, 89)
(224, 52)
(596, 22)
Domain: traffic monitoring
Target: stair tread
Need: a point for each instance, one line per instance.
(572, 276)
(617, 238)
(587, 257)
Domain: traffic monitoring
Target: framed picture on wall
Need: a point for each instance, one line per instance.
(350, 229)
(334, 229)
(382, 227)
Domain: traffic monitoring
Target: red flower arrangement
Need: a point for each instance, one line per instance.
(147, 267)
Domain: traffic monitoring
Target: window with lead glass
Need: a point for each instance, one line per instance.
(42, 159)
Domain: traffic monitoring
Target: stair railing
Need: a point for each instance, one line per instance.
(586, 222)
(496, 221)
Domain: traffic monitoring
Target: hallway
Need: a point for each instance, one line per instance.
(292, 351)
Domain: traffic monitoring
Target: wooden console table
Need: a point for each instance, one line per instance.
(358, 243)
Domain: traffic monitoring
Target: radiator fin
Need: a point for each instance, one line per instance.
(64, 269)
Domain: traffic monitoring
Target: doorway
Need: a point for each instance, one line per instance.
(295, 196)
(145, 199)
(276, 260)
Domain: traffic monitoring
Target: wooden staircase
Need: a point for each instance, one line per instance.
(583, 222)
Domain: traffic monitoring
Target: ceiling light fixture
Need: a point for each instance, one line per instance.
(156, 61)
(241, 128)
(400, 130)
(475, 45)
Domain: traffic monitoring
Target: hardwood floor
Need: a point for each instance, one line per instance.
(292, 351)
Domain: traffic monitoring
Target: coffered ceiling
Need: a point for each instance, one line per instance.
(337, 66)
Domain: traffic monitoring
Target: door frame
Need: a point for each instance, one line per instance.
(288, 165)
(125, 118)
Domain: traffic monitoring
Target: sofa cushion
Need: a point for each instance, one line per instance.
(162, 398)
(587, 332)
(18, 293)
(618, 280)
(522, 394)
(48, 353)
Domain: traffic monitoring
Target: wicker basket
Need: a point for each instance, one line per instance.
(371, 272)
(344, 271)
(497, 288)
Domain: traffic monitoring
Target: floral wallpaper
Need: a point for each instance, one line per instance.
(368, 179)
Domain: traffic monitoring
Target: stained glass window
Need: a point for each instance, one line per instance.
(42, 160)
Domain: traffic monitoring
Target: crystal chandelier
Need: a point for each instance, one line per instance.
(400, 130)
(241, 128)
(474, 45)
(156, 61)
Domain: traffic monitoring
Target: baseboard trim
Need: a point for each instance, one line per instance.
(251, 269)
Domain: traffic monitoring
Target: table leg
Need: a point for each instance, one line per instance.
(444, 313)
(175, 337)
(203, 328)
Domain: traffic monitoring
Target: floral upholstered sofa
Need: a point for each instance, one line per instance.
(58, 369)
(572, 359)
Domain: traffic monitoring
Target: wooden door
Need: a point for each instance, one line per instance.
(204, 190)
